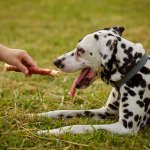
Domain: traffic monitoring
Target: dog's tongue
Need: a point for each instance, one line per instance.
(88, 73)
(77, 80)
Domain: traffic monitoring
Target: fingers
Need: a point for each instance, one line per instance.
(27, 60)
(22, 67)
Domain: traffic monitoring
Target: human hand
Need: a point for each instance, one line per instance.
(18, 58)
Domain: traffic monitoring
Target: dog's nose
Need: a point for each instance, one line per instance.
(57, 62)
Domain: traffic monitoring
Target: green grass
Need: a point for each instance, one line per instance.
(46, 29)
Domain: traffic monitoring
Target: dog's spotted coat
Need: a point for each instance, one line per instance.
(112, 57)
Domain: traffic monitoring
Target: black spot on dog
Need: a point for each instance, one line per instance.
(127, 113)
(126, 52)
(131, 92)
(113, 94)
(124, 99)
(125, 105)
(111, 47)
(69, 116)
(61, 116)
(102, 116)
(101, 54)
(96, 36)
(133, 81)
(130, 124)
(145, 70)
(144, 118)
(139, 121)
(130, 49)
(63, 58)
(88, 114)
(124, 123)
(108, 114)
(148, 121)
(108, 43)
(125, 94)
(116, 103)
(148, 112)
(105, 56)
(72, 54)
(109, 34)
(91, 53)
(142, 125)
(141, 92)
(118, 38)
(112, 107)
(123, 45)
(128, 64)
(140, 103)
(136, 117)
(114, 32)
(146, 103)
(137, 55)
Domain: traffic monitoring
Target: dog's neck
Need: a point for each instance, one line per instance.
(124, 58)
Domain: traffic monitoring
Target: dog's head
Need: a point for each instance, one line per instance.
(91, 54)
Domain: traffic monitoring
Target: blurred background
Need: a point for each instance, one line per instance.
(48, 28)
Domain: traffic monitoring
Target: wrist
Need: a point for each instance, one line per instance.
(3, 52)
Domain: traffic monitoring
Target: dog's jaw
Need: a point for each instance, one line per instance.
(86, 78)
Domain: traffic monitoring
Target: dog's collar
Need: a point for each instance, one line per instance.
(132, 72)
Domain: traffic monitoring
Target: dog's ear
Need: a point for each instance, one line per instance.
(119, 30)
(108, 49)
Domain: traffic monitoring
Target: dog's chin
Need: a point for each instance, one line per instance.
(86, 78)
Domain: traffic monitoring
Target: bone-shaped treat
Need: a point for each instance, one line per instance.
(34, 70)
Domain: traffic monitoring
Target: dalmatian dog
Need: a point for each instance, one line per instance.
(120, 63)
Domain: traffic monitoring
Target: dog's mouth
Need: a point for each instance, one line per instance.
(86, 77)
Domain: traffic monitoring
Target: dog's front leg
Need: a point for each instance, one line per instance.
(78, 129)
(75, 129)
(96, 114)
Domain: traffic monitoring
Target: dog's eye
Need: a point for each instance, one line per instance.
(80, 51)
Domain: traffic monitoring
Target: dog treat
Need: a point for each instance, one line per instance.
(34, 70)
